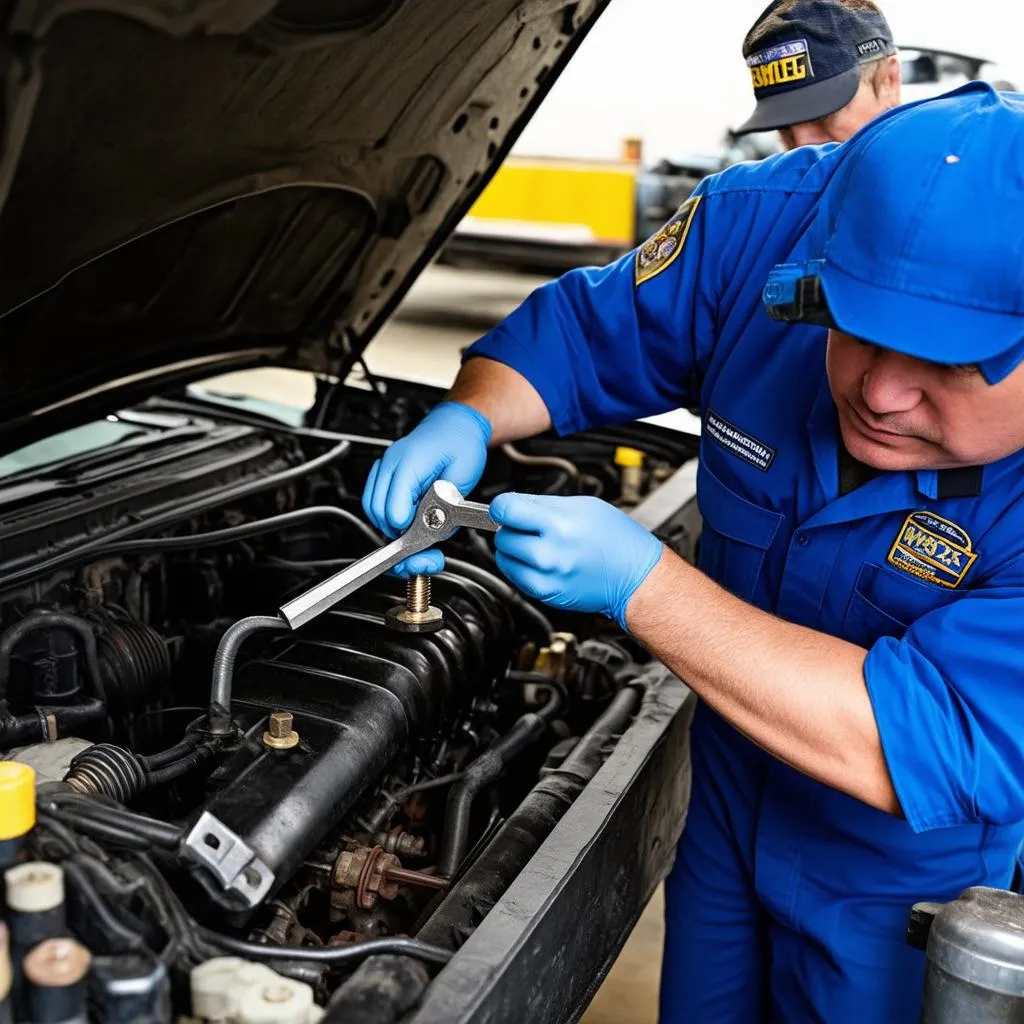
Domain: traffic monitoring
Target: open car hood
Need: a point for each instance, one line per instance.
(190, 186)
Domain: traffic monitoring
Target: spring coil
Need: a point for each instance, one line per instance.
(106, 770)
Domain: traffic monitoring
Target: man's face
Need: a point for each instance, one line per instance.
(874, 96)
(899, 413)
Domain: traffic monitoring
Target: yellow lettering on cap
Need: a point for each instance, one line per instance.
(779, 72)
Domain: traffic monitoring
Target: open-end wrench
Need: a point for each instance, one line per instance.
(441, 512)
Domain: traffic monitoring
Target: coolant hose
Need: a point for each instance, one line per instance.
(51, 620)
(484, 770)
(527, 828)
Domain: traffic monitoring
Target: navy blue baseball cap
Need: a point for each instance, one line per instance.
(918, 235)
(805, 58)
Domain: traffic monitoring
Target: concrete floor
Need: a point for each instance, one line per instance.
(446, 311)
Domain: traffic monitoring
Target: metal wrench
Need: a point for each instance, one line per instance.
(441, 512)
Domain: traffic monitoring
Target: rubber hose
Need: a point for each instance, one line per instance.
(484, 770)
(49, 620)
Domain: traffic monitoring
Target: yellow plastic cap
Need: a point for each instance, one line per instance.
(17, 799)
(628, 457)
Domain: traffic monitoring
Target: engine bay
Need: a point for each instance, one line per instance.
(324, 838)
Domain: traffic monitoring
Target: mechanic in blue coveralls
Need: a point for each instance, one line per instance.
(855, 627)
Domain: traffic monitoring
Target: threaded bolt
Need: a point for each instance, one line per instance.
(417, 594)
(417, 615)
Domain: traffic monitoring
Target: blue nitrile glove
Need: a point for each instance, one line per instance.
(449, 444)
(581, 554)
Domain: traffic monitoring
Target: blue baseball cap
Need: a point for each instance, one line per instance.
(919, 234)
(805, 58)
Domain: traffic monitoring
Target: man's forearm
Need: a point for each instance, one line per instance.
(795, 692)
(505, 397)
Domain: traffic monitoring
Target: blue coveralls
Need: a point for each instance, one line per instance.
(789, 900)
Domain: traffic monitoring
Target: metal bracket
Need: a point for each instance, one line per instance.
(214, 846)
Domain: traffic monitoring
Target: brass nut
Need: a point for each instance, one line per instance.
(279, 734)
(555, 660)
(281, 724)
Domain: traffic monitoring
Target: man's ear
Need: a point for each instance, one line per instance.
(887, 81)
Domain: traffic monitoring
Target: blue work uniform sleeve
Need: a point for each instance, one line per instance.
(948, 699)
(634, 339)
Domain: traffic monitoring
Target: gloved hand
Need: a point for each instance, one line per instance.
(581, 554)
(449, 444)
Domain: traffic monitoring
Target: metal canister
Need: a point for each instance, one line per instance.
(975, 949)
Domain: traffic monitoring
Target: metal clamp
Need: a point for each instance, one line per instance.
(214, 846)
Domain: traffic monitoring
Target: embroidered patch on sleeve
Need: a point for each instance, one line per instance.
(659, 251)
(932, 549)
(739, 443)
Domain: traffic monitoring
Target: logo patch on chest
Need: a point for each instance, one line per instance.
(932, 549)
(738, 443)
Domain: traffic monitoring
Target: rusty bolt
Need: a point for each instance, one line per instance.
(365, 869)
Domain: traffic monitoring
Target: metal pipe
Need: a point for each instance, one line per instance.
(336, 956)
(420, 878)
(214, 538)
(219, 713)
(546, 461)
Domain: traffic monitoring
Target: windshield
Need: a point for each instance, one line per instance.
(68, 444)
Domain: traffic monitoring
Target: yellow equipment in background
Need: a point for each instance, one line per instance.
(552, 213)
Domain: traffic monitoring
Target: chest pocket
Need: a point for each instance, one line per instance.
(884, 604)
(736, 534)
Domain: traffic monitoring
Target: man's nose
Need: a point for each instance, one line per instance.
(892, 384)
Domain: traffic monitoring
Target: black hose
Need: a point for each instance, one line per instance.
(558, 695)
(541, 627)
(219, 714)
(104, 830)
(32, 726)
(230, 534)
(49, 620)
(380, 991)
(336, 956)
(158, 833)
(480, 773)
(177, 769)
(150, 762)
(85, 552)
(97, 908)
(526, 829)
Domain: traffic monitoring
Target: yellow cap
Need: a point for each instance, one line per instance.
(17, 799)
(628, 457)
